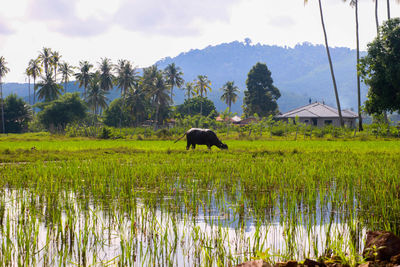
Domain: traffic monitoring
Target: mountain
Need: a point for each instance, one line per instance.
(300, 73)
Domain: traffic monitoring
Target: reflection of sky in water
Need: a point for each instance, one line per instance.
(157, 235)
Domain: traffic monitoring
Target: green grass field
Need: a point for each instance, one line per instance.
(86, 201)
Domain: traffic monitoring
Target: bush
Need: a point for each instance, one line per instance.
(105, 133)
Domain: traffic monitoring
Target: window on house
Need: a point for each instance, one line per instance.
(305, 121)
(315, 122)
(327, 122)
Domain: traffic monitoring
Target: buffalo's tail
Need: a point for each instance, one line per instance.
(180, 138)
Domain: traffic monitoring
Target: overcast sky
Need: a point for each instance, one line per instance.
(145, 31)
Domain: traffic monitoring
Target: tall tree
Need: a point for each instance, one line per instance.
(230, 93)
(261, 94)
(96, 97)
(17, 114)
(173, 77)
(380, 69)
(35, 70)
(189, 90)
(48, 89)
(330, 62)
(28, 74)
(3, 71)
(55, 62)
(106, 75)
(67, 71)
(354, 3)
(202, 85)
(84, 76)
(136, 102)
(126, 77)
(158, 90)
(45, 58)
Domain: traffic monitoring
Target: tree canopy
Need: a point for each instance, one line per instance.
(67, 109)
(261, 95)
(193, 105)
(17, 114)
(380, 69)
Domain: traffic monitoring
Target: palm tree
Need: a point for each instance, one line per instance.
(55, 62)
(3, 71)
(189, 90)
(35, 70)
(49, 90)
(135, 101)
(28, 74)
(173, 77)
(230, 93)
(330, 62)
(45, 58)
(126, 76)
(67, 71)
(96, 97)
(84, 76)
(106, 76)
(202, 84)
(354, 3)
(376, 17)
(158, 90)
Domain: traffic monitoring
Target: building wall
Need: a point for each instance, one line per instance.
(320, 122)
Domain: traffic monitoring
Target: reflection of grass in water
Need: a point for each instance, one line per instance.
(88, 201)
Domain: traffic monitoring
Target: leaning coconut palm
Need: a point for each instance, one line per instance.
(106, 76)
(35, 70)
(55, 62)
(3, 71)
(96, 97)
(230, 94)
(330, 62)
(45, 58)
(202, 85)
(48, 89)
(84, 76)
(173, 75)
(67, 71)
(158, 90)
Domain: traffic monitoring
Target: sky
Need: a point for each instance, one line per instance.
(144, 31)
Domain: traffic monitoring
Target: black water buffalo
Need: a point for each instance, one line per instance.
(196, 136)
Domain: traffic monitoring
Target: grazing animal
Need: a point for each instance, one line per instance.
(196, 136)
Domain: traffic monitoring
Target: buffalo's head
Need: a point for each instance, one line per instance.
(223, 146)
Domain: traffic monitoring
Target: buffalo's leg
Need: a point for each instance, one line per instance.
(209, 146)
(188, 145)
(193, 146)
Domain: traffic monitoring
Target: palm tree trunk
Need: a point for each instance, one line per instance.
(29, 90)
(330, 65)
(2, 107)
(376, 17)
(156, 118)
(34, 94)
(360, 126)
(388, 9)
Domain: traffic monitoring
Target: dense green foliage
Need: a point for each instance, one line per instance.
(17, 114)
(261, 95)
(117, 115)
(67, 109)
(381, 69)
(192, 106)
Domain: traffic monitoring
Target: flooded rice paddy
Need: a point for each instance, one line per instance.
(154, 204)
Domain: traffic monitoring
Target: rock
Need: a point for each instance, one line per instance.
(384, 244)
(395, 259)
(286, 264)
(257, 263)
(312, 263)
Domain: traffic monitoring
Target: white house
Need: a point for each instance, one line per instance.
(319, 114)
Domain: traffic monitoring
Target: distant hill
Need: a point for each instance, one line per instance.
(299, 73)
